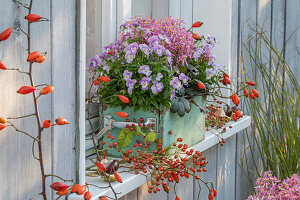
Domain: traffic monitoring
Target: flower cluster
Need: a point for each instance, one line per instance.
(152, 61)
(269, 187)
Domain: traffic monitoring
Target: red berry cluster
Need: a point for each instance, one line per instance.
(160, 165)
(213, 119)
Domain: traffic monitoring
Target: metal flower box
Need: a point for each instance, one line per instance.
(190, 127)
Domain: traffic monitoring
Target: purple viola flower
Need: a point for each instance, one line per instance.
(129, 56)
(184, 78)
(172, 94)
(153, 41)
(198, 52)
(106, 68)
(168, 53)
(145, 69)
(146, 32)
(170, 61)
(157, 87)
(130, 84)
(94, 62)
(159, 49)
(159, 76)
(176, 83)
(209, 73)
(144, 48)
(133, 47)
(145, 83)
(127, 75)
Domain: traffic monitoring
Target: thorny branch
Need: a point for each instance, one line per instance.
(15, 69)
(95, 145)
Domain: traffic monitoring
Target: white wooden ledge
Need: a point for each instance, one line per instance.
(132, 181)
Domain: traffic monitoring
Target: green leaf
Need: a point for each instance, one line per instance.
(139, 132)
(155, 104)
(151, 136)
(124, 138)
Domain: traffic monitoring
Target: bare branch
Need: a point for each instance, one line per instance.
(19, 27)
(35, 196)
(33, 152)
(52, 175)
(12, 125)
(21, 116)
(16, 69)
(21, 4)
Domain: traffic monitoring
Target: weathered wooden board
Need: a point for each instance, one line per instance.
(211, 174)
(57, 37)
(175, 9)
(226, 164)
(247, 17)
(292, 53)
(160, 9)
(64, 79)
(141, 7)
(22, 182)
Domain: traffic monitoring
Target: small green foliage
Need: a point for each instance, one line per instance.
(124, 138)
(151, 136)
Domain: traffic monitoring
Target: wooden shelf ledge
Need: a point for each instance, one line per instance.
(132, 181)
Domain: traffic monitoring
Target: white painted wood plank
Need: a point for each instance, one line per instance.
(278, 23)
(216, 18)
(226, 170)
(22, 182)
(138, 180)
(94, 122)
(143, 193)
(109, 21)
(184, 189)
(187, 12)
(141, 7)
(235, 44)
(81, 91)
(293, 47)
(160, 9)
(131, 196)
(209, 175)
(175, 9)
(93, 33)
(123, 12)
(63, 25)
(248, 15)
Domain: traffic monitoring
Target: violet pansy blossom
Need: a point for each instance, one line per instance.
(145, 69)
(184, 78)
(168, 53)
(127, 75)
(159, 49)
(144, 48)
(133, 47)
(130, 84)
(129, 56)
(209, 73)
(176, 83)
(94, 62)
(157, 87)
(145, 83)
(172, 94)
(159, 76)
(153, 41)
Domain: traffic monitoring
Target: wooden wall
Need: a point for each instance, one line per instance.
(19, 172)
(225, 20)
(228, 21)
